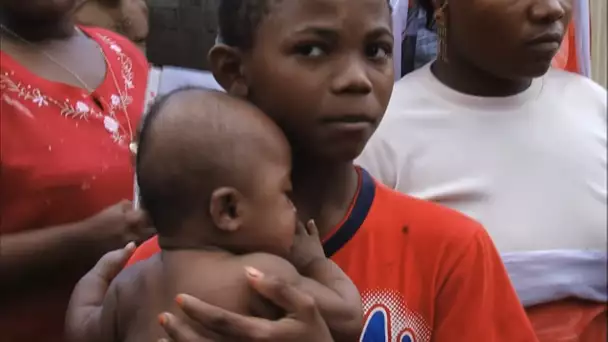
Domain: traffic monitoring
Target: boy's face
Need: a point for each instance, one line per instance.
(323, 70)
(270, 222)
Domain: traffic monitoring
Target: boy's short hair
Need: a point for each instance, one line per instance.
(239, 20)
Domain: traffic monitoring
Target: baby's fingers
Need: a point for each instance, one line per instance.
(301, 229)
(311, 228)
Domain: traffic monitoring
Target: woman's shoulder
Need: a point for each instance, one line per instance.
(567, 83)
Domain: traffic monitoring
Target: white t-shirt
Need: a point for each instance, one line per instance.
(530, 167)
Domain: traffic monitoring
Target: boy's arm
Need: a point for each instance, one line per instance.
(477, 302)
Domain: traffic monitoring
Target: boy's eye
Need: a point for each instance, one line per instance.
(310, 50)
(378, 51)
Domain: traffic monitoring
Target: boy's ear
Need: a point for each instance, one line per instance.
(226, 209)
(227, 66)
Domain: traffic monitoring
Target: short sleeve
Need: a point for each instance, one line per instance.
(145, 251)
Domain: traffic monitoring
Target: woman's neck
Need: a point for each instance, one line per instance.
(323, 193)
(35, 30)
(468, 79)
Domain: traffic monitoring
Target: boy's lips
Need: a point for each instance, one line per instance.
(349, 123)
(349, 119)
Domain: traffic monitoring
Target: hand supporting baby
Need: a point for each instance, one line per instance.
(302, 323)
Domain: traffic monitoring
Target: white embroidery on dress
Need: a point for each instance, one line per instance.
(18, 105)
(79, 110)
(126, 63)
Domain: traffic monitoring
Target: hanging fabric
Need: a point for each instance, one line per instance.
(419, 42)
(400, 10)
(575, 53)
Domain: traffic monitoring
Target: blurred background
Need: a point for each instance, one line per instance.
(180, 33)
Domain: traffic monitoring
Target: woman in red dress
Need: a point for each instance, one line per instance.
(70, 99)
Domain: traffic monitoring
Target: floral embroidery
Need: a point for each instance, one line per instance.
(40, 101)
(110, 124)
(125, 62)
(18, 105)
(80, 110)
(115, 100)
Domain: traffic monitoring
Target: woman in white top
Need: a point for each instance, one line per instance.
(491, 130)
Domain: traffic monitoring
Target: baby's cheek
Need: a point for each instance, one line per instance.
(288, 224)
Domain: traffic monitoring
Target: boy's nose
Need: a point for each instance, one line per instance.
(352, 78)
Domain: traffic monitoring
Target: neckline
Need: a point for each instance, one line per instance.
(480, 103)
(354, 218)
(61, 87)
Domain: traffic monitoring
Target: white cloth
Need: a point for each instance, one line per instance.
(530, 167)
(582, 32)
(547, 276)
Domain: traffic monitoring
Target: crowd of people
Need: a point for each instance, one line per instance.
(476, 211)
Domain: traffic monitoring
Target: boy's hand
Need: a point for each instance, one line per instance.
(83, 316)
(307, 246)
(303, 322)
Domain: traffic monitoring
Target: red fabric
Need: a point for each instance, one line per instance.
(570, 320)
(57, 169)
(566, 58)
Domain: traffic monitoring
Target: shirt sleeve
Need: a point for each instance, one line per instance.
(477, 302)
(145, 251)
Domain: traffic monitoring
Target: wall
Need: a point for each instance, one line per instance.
(181, 32)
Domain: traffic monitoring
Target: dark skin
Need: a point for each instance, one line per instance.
(127, 17)
(491, 44)
(323, 70)
(304, 322)
(250, 222)
(334, 86)
(26, 254)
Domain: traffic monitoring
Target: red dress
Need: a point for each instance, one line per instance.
(63, 158)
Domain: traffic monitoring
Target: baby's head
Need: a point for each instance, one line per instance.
(213, 170)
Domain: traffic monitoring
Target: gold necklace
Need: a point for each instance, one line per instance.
(89, 89)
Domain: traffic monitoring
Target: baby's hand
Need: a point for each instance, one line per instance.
(307, 246)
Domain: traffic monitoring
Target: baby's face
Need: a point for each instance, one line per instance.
(271, 222)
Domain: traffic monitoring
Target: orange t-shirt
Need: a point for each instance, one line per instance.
(426, 273)
(64, 158)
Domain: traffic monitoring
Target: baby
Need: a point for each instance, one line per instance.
(214, 176)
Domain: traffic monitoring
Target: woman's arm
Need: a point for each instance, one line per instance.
(27, 253)
(31, 253)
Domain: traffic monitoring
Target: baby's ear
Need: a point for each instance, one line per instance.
(226, 209)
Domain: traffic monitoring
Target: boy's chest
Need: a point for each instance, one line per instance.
(397, 305)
